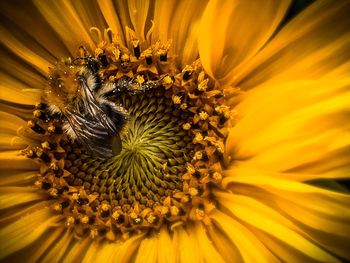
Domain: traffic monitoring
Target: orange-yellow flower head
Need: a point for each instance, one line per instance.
(162, 131)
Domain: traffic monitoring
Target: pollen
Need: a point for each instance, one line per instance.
(176, 99)
(203, 115)
(173, 140)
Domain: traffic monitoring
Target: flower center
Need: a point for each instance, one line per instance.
(172, 144)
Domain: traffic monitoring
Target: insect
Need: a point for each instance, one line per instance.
(77, 92)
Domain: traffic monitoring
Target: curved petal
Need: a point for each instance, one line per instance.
(301, 125)
(231, 32)
(248, 210)
(25, 230)
(314, 44)
(167, 252)
(13, 196)
(249, 246)
(72, 20)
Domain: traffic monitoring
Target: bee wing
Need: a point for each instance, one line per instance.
(95, 130)
(94, 136)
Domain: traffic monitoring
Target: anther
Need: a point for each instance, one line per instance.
(136, 46)
(176, 99)
(42, 155)
(35, 127)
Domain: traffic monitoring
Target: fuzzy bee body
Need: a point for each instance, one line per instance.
(77, 92)
(90, 118)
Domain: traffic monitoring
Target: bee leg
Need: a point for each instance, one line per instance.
(116, 144)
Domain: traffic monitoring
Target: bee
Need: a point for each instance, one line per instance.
(77, 93)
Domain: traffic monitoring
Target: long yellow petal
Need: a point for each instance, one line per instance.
(25, 231)
(206, 248)
(167, 252)
(231, 32)
(148, 250)
(249, 246)
(187, 247)
(314, 44)
(12, 196)
(307, 123)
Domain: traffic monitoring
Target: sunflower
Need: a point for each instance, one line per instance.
(236, 139)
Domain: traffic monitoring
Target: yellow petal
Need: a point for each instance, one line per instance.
(77, 250)
(128, 248)
(224, 245)
(312, 45)
(15, 178)
(138, 11)
(12, 196)
(148, 250)
(30, 53)
(25, 231)
(10, 123)
(59, 249)
(52, 243)
(10, 142)
(231, 32)
(205, 245)
(66, 21)
(268, 223)
(12, 91)
(183, 31)
(250, 248)
(187, 249)
(112, 18)
(15, 160)
(167, 252)
(22, 22)
(294, 124)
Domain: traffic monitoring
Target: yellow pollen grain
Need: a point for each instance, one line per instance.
(37, 113)
(38, 184)
(51, 128)
(75, 196)
(98, 51)
(198, 138)
(203, 115)
(217, 176)
(135, 42)
(151, 219)
(203, 85)
(54, 166)
(105, 207)
(125, 57)
(201, 76)
(174, 210)
(164, 210)
(57, 207)
(167, 82)
(70, 221)
(198, 155)
(176, 99)
(200, 213)
(190, 169)
(186, 126)
(93, 233)
(133, 215)
(193, 191)
(140, 79)
(116, 52)
(184, 106)
(116, 215)
(53, 192)
(84, 219)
